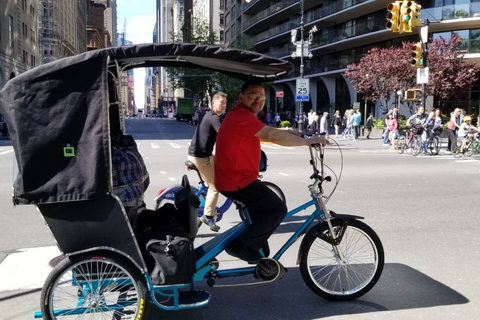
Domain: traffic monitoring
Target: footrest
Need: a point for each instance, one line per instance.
(185, 300)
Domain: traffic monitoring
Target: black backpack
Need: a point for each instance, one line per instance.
(166, 238)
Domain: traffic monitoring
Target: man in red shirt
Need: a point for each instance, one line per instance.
(237, 161)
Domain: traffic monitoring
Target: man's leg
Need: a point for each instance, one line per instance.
(266, 211)
(206, 168)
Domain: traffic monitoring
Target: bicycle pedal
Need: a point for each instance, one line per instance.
(269, 269)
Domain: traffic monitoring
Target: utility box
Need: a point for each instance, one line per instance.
(185, 109)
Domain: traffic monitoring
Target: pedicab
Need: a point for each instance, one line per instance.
(61, 118)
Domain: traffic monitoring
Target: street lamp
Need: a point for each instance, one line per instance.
(301, 50)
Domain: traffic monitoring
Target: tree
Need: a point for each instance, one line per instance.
(382, 71)
(199, 82)
(450, 75)
(231, 86)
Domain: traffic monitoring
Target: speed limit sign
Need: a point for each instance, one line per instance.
(302, 91)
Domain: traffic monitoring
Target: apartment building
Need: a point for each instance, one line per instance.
(211, 12)
(347, 29)
(62, 28)
(18, 37)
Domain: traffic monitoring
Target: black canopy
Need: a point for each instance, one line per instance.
(58, 113)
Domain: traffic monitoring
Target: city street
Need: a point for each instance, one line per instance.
(424, 209)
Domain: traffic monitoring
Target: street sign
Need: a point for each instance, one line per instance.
(301, 98)
(356, 105)
(424, 34)
(279, 94)
(422, 75)
(302, 92)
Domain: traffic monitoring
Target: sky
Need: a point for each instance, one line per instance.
(140, 18)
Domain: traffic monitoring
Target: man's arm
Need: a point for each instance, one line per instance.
(287, 138)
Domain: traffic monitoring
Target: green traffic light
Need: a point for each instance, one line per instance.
(407, 18)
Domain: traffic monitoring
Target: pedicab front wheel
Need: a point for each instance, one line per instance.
(343, 271)
(96, 285)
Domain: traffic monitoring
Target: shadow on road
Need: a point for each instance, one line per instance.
(399, 288)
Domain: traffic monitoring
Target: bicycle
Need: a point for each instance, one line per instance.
(412, 139)
(470, 148)
(433, 141)
(168, 194)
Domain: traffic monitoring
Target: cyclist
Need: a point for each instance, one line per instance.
(419, 119)
(236, 170)
(200, 153)
(466, 132)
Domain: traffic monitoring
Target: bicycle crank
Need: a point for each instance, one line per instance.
(269, 270)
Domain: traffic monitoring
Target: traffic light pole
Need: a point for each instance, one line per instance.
(300, 123)
(425, 58)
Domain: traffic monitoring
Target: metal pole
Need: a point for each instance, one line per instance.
(424, 58)
(300, 113)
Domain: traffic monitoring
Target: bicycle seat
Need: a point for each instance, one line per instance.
(190, 165)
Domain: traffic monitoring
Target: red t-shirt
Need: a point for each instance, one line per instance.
(237, 154)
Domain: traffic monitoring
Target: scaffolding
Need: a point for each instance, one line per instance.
(52, 40)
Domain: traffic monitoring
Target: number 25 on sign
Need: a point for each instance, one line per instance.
(302, 86)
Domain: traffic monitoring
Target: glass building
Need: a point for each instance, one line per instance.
(347, 29)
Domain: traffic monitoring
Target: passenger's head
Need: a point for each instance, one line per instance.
(252, 96)
(219, 102)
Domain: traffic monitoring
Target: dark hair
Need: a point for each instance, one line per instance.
(249, 84)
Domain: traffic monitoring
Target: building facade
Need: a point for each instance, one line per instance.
(346, 31)
(18, 38)
(62, 28)
(211, 12)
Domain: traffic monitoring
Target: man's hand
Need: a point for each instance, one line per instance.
(321, 139)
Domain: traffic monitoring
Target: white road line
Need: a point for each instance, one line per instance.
(283, 174)
(269, 146)
(163, 172)
(155, 145)
(5, 152)
(172, 179)
(26, 268)
(175, 146)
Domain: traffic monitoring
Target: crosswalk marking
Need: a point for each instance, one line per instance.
(174, 145)
(6, 151)
(155, 145)
(16, 270)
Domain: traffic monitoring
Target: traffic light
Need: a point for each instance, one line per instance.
(415, 21)
(417, 54)
(393, 16)
(406, 16)
(413, 95)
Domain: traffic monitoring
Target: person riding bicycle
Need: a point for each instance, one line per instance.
(200, 153)
(466, 132)
(236, 170)
(418, 123)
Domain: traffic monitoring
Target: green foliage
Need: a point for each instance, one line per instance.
(285, 124)
(200, 82)
(402, 122)
(378, 123)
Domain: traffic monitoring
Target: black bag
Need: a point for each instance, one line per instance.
(173, 252)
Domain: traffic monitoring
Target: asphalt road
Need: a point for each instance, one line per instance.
(425, 210)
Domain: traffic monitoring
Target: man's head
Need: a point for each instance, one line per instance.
(252, 96)
(219, 102)
(421, 110)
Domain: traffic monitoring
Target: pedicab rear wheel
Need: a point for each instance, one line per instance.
(99, 285)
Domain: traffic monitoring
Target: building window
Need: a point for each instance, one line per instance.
(222, 36)
(10, 31)
(32, 60)
(222, 4)
(227, 18)
(24, 5)
(25, 57)
(232, 12)
(234, 34)
(221, 20)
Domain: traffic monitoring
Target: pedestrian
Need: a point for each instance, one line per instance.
(386, 134)
(239, 139)
(277, 120)
(420, 119)
(356, 119)
(369, 124)
(200, 153)
(452, 127)
(392, 126)
(336, 122)
(323, 127)
(269, 118)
